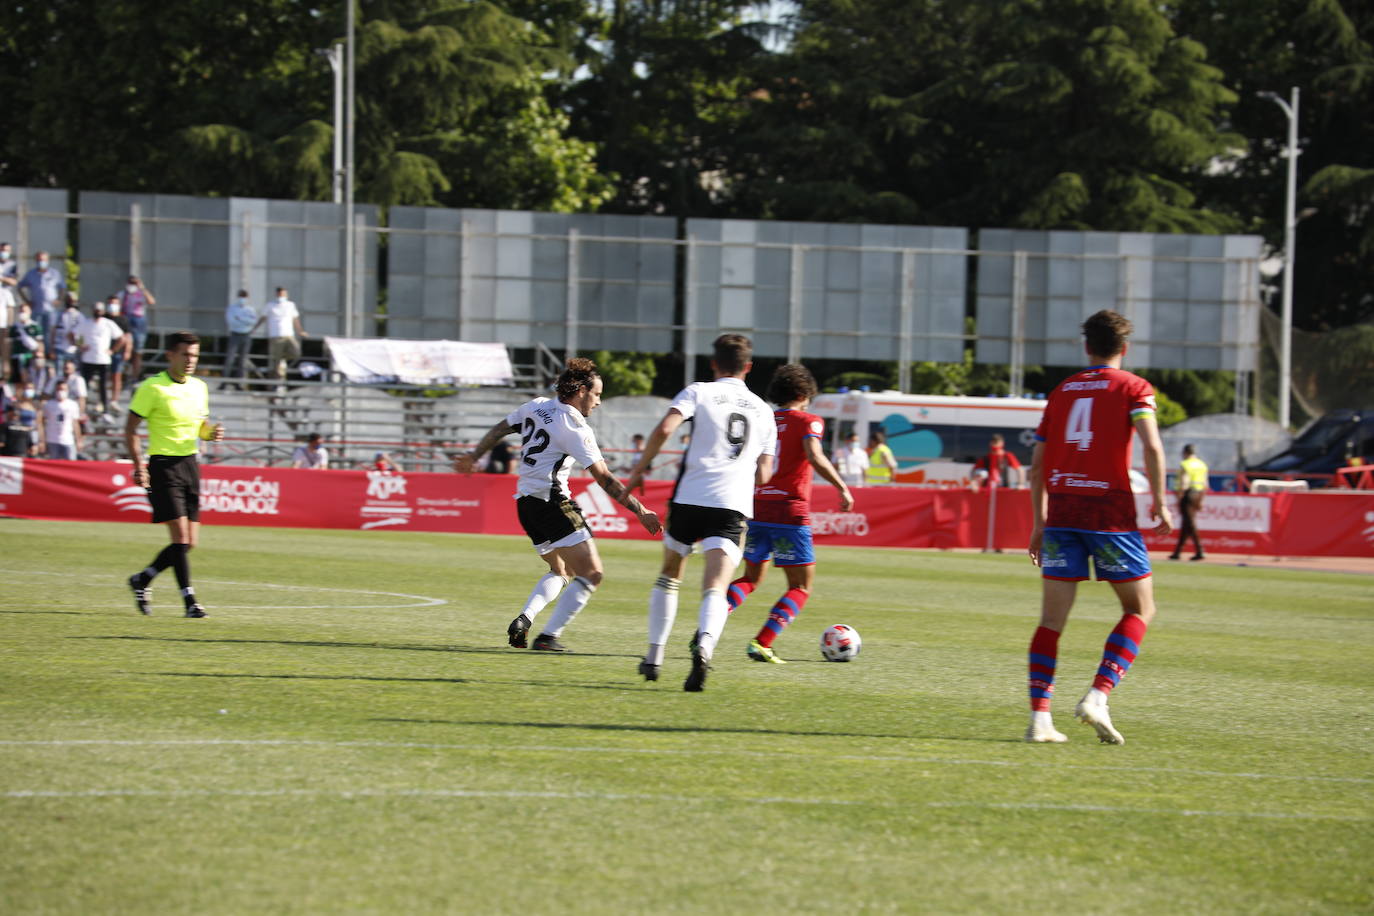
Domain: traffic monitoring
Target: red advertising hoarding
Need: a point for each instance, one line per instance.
(1284, 524)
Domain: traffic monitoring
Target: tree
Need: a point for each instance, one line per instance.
(625, 373)
(1072, 114)
(1323, 47)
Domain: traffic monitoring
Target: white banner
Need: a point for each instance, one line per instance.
(420, 362)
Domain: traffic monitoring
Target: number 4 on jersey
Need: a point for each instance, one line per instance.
(1080, 426)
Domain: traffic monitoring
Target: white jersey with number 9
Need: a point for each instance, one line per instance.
(731, 427)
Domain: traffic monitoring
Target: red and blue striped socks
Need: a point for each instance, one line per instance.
(782, 614)
(1043, 658)
(1123, 645)
(737, 592)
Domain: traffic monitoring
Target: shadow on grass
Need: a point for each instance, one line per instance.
(230, 675)
(320, 644)
(684, 729)
(307, 677)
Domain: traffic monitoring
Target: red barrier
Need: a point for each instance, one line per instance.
(1331, 523)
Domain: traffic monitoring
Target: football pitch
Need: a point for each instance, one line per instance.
(348, 732)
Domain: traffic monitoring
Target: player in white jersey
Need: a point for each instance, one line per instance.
(554, 434)
(731, 451)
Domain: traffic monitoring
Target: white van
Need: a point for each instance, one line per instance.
(935, 438)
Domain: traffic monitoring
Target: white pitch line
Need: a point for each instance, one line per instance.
(348, 794)
(421, 600)
(592, 749)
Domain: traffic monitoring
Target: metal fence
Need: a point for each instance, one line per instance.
(581, 282)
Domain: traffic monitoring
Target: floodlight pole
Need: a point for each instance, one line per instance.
(1290, 228)
(350, 65)
(334, 54)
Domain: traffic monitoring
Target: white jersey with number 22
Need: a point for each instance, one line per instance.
(731, 428)
(551, 433)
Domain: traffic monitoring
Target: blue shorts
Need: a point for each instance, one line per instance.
(789, 545)
(138, 328)
(1118, 556)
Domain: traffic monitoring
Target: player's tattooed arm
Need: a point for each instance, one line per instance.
(621, 494)
(464, 463)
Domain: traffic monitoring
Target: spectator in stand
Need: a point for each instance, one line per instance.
(998, 464)
(43, 288)
(62, 346)
(26, 344)
(16, 436)
(500, 459)
(284, 331)
(76, 386)
(882, 464)
(136, 302)
(851, 460)
(384, 462)
(123, 348)
(313, 455)
(9, 303)
(240, 318)
(24, 427)
(97, 337)
(60, 425)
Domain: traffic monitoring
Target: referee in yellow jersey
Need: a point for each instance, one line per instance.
(176, 405)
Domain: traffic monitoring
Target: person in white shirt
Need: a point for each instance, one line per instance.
(240, 318)
(96, 336)
(76, 386)
(851, 460)
(554, 434)
(734, 438)
(60, 424)
(283, 332)
(313, 455)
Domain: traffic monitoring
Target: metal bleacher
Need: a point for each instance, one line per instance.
(264, 420)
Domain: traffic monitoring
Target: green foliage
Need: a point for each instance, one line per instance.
(966, 378)
(1167, 410)
(625, 373)
(1197, 392)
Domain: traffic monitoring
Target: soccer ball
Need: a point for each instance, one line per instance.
(840, 643)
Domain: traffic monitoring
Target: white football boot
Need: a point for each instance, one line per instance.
(1042, 730)
(1092, 710)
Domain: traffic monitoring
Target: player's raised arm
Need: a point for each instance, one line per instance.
(464, 463)
(1153, 448)
(827, 470)
(621, 494)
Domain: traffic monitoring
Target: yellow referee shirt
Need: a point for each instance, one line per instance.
(1193, 474)
(174, 411)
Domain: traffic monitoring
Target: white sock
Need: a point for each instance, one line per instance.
(662, 612)
(545, 590)
(1040, 718)
(188, 592)
(715, 610)
(574, 599)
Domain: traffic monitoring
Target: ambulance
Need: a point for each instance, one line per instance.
(935, 438)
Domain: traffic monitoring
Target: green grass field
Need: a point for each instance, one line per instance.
(349, 733)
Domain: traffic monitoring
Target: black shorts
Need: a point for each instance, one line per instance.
(174, 487)
(690, 524)
(549, 521)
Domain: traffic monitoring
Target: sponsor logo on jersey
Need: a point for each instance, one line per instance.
(1066, 479)
(600, 510)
